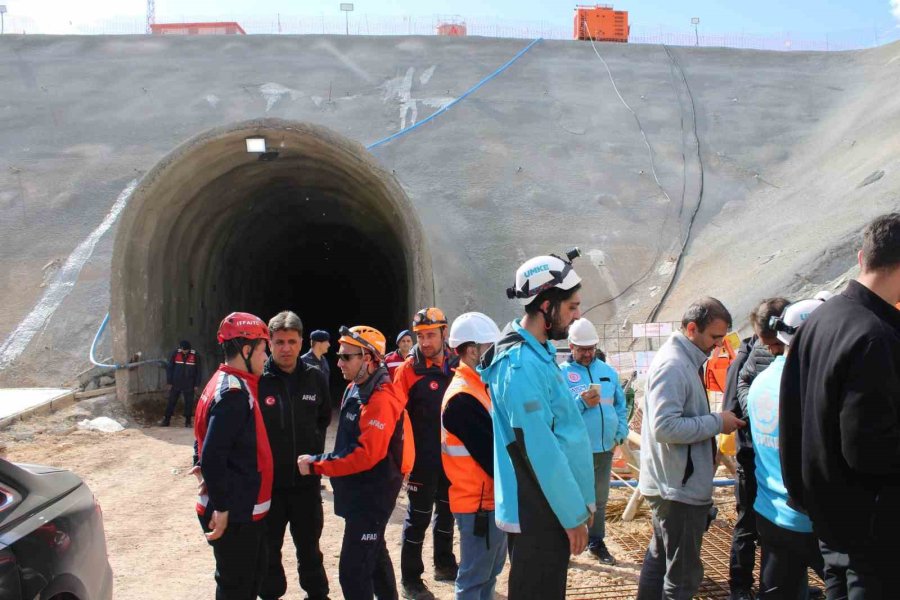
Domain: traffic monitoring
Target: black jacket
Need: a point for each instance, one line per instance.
(296, 409)
(424, 384)
(840, 419)
(730, 401)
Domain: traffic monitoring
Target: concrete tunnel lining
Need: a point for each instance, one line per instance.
(322, 229)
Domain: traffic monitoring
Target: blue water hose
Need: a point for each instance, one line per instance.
(447, 107)
(633, 484)
(117, 366)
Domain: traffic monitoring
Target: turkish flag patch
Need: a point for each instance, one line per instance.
(270, 400)
(434, 386)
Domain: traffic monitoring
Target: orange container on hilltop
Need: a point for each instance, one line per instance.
(601, 23)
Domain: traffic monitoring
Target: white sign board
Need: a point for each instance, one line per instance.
(346, 7)
(640, 330)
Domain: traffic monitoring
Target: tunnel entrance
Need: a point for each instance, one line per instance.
(314, 226)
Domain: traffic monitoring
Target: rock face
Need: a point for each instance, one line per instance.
(679, 172)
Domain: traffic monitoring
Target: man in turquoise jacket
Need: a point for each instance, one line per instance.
(599, 397)
(543, 476)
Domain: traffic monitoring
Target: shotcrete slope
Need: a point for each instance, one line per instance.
(543, 157)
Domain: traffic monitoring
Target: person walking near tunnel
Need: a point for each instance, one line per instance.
(467, 452)
(296, 407)
(601, 402)
(396, 358)
(366, 465)
(423, 379)
(543, 476)
(319, 343)
(182, 379)
(233, 460)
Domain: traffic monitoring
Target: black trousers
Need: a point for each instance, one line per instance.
(301, 509)
(869, 571)
(240, 559)
(743, 542)
(672, 567)
(188, 403)
(786, 557)
(427, 493)
(365, 567)
(539, 562)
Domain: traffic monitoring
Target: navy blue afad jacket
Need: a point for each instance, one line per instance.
(365, 465)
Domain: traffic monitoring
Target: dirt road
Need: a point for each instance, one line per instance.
(156, 548)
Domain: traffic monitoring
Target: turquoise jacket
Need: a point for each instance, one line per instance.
(771, 495)
(541, 446)
(605, 422)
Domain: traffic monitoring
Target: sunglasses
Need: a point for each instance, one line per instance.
(347, 357)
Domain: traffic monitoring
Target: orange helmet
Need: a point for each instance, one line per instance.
(429, 318)
(365, 337)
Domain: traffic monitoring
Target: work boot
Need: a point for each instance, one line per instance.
(599, 550)
(445, 572)
(164, 422)
(416, 590)
(741, 595)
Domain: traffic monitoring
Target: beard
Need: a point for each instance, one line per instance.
(557, 331)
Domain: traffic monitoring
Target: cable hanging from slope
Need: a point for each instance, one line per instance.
(637, 120)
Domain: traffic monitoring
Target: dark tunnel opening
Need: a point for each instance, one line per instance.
(321, 230)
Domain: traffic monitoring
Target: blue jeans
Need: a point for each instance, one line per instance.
(480, 562)
(602, 470)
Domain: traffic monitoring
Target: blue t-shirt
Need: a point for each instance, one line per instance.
(771, 495)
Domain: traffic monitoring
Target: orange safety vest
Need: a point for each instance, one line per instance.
(470, 487)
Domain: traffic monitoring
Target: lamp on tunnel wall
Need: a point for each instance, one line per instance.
(257, 145)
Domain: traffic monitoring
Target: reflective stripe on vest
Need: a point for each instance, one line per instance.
(258, 509)
(470, 487)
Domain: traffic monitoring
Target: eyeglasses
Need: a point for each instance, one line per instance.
(347, 357)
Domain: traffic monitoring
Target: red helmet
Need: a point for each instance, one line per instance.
(242, 325)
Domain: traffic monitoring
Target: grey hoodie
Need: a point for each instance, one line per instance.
(676, 447)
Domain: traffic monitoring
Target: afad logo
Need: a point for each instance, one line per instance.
(536, 270)
(270, 400)
(434, 386)
(574, 377)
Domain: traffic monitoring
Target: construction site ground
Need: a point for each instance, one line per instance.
(156, 549)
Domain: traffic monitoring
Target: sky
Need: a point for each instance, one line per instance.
(764, 17)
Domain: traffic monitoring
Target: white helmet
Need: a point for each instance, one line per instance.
(793, 316)
(583, 333)
(542, 273)
(473, 327)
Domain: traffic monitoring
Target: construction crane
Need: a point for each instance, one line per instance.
(151, 15)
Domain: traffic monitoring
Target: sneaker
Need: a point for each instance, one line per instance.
(416, 590)
(599, 550)
(164, 422)
(187, 422)
(741, 595)
(446, 573)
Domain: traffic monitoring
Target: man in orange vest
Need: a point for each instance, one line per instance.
(467, 453)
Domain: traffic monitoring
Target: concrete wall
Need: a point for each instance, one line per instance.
(543, 157)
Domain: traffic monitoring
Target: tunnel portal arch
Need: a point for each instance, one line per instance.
(315, 226)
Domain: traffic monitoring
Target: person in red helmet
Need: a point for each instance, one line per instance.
(233, 460)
